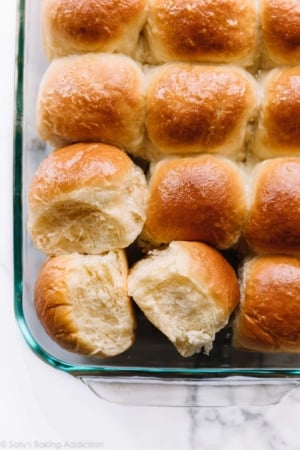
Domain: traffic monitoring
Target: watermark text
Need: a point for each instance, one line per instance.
(51, 445)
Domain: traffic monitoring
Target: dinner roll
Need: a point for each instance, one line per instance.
(278, 131)
(280, 20)
(187, 291)
(269, 316)
(221, 31)
(195, 199)
(194, 109)
(82, 303)
(273, 223)
(81, 26)
(86, 198)
(92, 97)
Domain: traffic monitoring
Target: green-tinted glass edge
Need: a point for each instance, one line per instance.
(18, 267)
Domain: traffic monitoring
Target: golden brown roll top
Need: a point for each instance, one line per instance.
(83, 26)
(195, 199)
(280, 22)
(219, 31)
(92, 97)
(273, 223)
(82, 303)
(188, 291)
(278, 131)
(198, 109)
(86, 198)
(269, 316)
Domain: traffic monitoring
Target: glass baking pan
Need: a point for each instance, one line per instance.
(151, 372)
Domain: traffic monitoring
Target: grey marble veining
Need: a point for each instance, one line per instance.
(274, 427)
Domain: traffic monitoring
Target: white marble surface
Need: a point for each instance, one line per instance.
(41, 407)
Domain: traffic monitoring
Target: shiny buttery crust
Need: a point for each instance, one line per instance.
(92, 97)
(86, 198)
(82, 26)
(269, 316)
(221, 31)
(82, 303)
(195, 109)
(278, 131)
(273, 223)
(280, 20)
(195, 199)
(188, 291)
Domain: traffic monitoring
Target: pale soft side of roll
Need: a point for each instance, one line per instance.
(195, 199)
(192, 108)
(273, 222)
(268, 319)
(82, 26)
(187, 291)
(217, 31)
(280, 23)
(278, 132)
(86, 198)
(82, 303)
(93, 97)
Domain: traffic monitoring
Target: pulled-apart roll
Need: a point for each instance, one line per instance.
(195, 199)
(82, 303)
(273, 222)
(82, 26)
(219, 31)
(278, 131)
(199, 109)
(188, 291)
(280, 22)
(93, 98)
(268, 319)
(86, 198)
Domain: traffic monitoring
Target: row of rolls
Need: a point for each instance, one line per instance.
(173, 109)
(92, 198)
(176, 137)
(249, 33)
